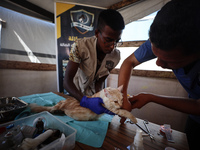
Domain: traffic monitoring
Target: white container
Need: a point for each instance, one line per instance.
(63, 143)
(138, 140)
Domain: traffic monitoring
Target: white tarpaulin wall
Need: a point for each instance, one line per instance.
(33, 40)
(141, 9)
(26, 38)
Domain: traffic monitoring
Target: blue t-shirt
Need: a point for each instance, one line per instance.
(144, 52)
(190, 81)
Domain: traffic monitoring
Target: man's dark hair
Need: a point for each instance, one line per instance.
(177, 24)
(112, 18)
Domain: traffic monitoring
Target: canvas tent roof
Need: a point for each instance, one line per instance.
(131, 10)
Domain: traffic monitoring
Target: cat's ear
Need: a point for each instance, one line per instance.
(106, 92)
(120, 88)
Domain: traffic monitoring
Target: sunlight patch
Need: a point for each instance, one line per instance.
(30, 54)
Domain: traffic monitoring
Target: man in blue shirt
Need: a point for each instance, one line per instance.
(174, 39)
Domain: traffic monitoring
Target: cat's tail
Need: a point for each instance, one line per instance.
(36, 108)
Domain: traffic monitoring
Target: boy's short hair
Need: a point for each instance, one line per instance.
(177, 24)
(112, 18)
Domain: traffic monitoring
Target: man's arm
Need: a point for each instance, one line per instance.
(69, 85)
(126, 70)
(94, 104)
(185, 105)
(124, 77)
(143, 53)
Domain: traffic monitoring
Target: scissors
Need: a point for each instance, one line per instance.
(147, 132)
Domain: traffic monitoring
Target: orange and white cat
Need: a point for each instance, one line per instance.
(112, 98)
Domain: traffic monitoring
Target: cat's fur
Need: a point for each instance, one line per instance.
(112, 98)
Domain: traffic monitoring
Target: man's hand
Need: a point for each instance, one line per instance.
(127, 106)
(139, 100)
(95, 104)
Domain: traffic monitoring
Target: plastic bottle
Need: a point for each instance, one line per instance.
(17, 135)
(138, 140)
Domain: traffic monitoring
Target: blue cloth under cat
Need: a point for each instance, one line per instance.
(91, 133)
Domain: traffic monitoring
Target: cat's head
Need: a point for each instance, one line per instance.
(114, 94)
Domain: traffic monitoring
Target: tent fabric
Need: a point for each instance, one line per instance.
(141, 9)
(27, 38)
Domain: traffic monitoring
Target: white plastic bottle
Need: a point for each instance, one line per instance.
(138, 140)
